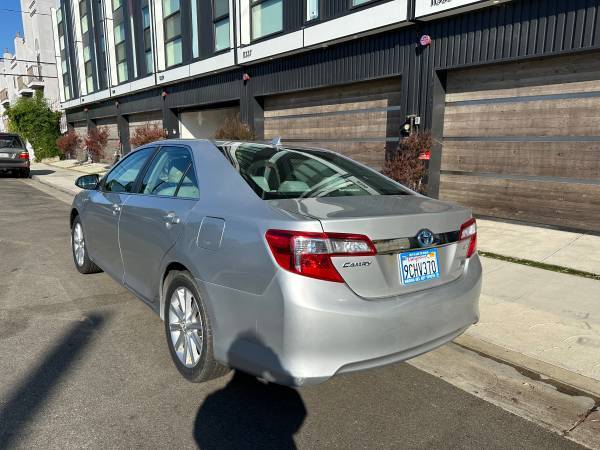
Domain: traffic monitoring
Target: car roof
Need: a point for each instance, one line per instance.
(222, 142)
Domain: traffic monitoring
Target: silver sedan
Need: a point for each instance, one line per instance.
(291, 264)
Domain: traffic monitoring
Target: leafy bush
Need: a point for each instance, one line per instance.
(95, 142)
(69, 143)
(33, 119)
(146, 134)
(405, 166)
(233, 129)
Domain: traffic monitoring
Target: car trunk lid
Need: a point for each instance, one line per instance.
(392, 223)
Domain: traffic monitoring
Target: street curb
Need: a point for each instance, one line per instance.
(40, 179)
(562, 379)
(77, 169)
(541, 265)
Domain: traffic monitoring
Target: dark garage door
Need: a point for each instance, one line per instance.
(522, 141)
(359, 120)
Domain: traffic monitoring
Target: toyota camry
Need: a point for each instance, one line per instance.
(291, 264)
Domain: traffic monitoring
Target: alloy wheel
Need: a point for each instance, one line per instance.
(78, 244)
(185, 327)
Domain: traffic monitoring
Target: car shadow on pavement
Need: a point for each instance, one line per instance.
(248, 413)
(29, 397)
(41, 172)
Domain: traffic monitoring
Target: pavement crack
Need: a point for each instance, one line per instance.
(582, 419)
(561, 387)
(562, 248)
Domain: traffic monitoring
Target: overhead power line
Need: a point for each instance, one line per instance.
(26, 60)
(25, 12)
(26, 75)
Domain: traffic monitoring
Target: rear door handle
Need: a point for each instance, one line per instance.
(171, 219)
(116, 209)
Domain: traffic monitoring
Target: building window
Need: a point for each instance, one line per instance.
(63, 55)
(195, 43)
(221, 24)
(102, 81)
(146, 23)
(120, 42)
(88, 66)
(267, 17)
(84, 16)
(312, 10)
(89, 77)
(172, 27)
(360, 2)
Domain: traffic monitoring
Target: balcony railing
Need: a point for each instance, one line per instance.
(34, 77)
(21, 82)
(22, 86)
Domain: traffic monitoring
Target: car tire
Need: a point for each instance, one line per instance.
(25, 173)
(82, 261)
(188, 327)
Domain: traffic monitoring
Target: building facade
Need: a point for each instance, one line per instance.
(32, 67)
(510, 89)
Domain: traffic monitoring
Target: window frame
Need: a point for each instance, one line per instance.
(306, 20)
(365, 4)
(135, 187)
(87, 37)
(147, 46)
(179, 36)
(123, 42)
(138, 184)
(216, 19)
(255, 3)
(62, 39)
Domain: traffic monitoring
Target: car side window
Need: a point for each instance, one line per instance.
(170, 173)
(188, 188)
(122, 177)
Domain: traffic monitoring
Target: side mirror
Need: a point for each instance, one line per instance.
(87, 181)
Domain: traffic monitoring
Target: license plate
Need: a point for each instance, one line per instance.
(419, 265)
(4, 155)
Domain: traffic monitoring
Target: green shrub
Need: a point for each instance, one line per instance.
(34, 120)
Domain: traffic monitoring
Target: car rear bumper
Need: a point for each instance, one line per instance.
(304, 331)
(14, 164)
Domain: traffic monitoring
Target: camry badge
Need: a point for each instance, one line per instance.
(357, 264)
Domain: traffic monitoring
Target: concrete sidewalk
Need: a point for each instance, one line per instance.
(547, 316)
(577, 251)
(56, 177)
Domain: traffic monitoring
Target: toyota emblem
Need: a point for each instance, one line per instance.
(425, 238)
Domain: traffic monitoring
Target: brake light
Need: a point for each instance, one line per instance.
(24, 155)
(309, 254)
(468, 230)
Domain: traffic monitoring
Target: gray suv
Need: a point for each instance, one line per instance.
(291, 264)
(14, 156)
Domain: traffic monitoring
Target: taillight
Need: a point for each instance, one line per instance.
(468, 230)
(24, 155)
(309, 254)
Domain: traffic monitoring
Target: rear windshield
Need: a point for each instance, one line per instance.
(10, 142)
(278, 172)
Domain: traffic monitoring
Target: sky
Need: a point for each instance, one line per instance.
(10, 23)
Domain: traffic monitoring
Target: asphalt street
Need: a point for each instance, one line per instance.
(85, 364)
